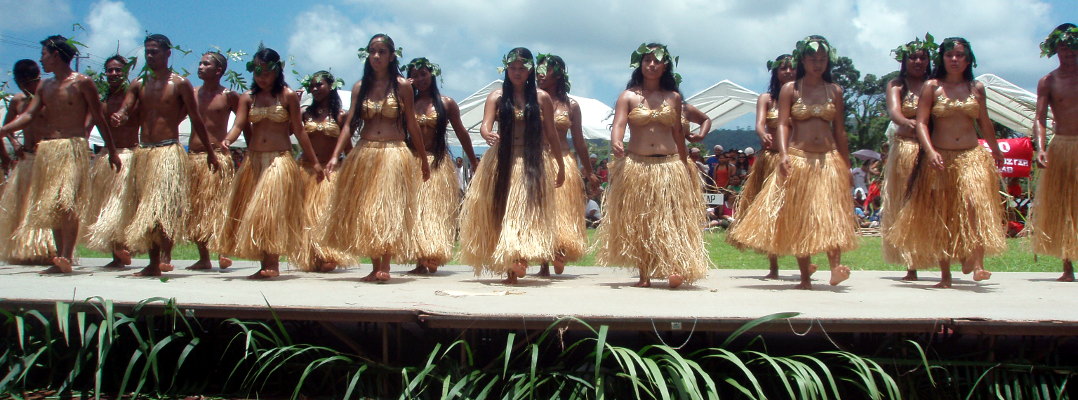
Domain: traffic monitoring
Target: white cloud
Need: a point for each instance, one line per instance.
(110, 28)
(22, 15)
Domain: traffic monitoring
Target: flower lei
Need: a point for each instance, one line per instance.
(513, 57)
(813, 45)
(772, 64)
(1067, 37)
(928, 46)
(309, 79)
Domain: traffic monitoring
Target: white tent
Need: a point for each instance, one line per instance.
(1010, 105)
(722, 102)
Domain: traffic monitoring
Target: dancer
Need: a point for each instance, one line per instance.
(60, 178)
(783, 71)
(689, 113)
(19, 243)
(164, 98)
(322, 123)
(208, 190)
(508, 214)
(953, 211)
(1055, 214)
(438, 199)
(570, 238)
(903, 94)
(112, 195)
(654, 211)
(373, 208)
(805, 208)
(265, 209)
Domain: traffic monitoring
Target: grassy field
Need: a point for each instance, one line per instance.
(1018, 257)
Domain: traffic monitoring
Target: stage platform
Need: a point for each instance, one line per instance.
(454, 298)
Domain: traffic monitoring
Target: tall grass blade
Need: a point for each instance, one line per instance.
(754, 323)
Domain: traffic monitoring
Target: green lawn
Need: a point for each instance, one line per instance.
(1018, 257)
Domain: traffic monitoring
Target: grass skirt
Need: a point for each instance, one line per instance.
(160, 196)
(19, 243)
(310, 252)
(112, 201)
(265, 208)
(526, 231)
(209, 190)
(951, 212)
(766, 163)
(372, 210)
(60, 179)
(807, 212)
(1055, 213)
(437, 206)
(896, 177)
(569, 231)
(654, 215)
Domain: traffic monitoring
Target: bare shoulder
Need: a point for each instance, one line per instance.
(449, 102)
(543, 96)
(835, 88)
(495, 94)
(180, 80)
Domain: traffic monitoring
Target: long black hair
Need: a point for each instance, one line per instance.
(666, 82)
(902, 73)
(557, 64)
(775, 86)
(940, 71)
(439, 146)
(271, 59)
(333, 100)
(826, 48)
(393, 71)
(533, 138)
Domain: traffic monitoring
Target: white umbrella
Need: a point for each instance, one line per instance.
(866, 154)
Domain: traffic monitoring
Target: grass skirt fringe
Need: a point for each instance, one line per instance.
(160, 196)
(112, 201)
(265, 208)
(209, 190)
(766, 163)
(807, 212)
(437, 206)
(653, 220)
(372, 210)
(1055, 213)
(569, 231)
(951, 212)
(19, 243)
(526, 231)
(61, 179)
(310, 252)
(896, 177)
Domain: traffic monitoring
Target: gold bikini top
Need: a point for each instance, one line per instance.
(771, 119)
(562, 121)
(429, 120)
(387, 108)
(642, 115)
(684, 125)
(946, 107)
(275, 113)
(909, 105)
(801, 111)
(328, 128)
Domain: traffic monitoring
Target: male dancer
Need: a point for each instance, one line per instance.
(60, 173)
(112, 196)
(206, 218)
(1055, 213)
(164, 99)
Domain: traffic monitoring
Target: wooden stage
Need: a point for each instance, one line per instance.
(454, 298)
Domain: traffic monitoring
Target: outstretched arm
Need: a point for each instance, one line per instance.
(346, 126)
(452, 111)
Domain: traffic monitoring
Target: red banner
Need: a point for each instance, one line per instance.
(1017, 156)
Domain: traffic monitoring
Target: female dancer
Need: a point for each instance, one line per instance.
(902, 97)
(953, 211)
(654, 211)
(783, 71)
(805, 209)
(438, 199)
(322, 124)
(265, 210)
(569, 199)
(372, 210)
(508, 212)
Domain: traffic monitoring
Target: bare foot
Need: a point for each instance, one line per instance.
(419, 269)
(559, 264)
(123, 256)
(511, 280)
(644, 282)
(60, 265)
(544, 270)
(53, 270)
(772, 275)
(1066, 278)
(813, 268)
(265, 274)
(370, 277)
(804, 286)
(150, 270)
(224, 262)
(981, 275)
(200, 265)
(114, 264)
(167, 267)
(967, 266)
(675, 281)
(381, 276)
(839, 274)
(911, 275)
(432, 267)
(327, 266)
(519, 268)
(944, 284)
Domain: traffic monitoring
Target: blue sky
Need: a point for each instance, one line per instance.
(716, 39)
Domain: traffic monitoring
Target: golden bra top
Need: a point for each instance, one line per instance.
(909, 105)
(387, 107)
(562, 121)
(328, 127)
(771, 119)
(642, 115)
(801, 111)
(275, 113)
(946, 107)
(428, 120)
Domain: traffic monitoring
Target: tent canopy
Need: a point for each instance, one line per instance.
(1010, 105)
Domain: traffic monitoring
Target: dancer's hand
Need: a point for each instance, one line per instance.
(560, 178)
(211, 160)
(766, 140)
(225, 144)
(492, 138)
(784, 165)
(694, 138)
(114, 161)
(426, 170)
(618, 149)
(474, 161)
(934, 159)
(319, 172)
(998, 156)
(119, 118)
(331, 166)
(1042, 159)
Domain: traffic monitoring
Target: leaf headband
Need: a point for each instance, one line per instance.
(309, 79)
(363, 53)
(1067, 37)
(513, 57)
(949, 44)
(660, 52)
(547, 68)
(423, 62)
(813, 45)
(252, 66)
(773, 65)
(928, 46)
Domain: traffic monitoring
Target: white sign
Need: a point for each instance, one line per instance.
(713, 199)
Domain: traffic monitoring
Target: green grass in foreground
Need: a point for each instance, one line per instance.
(1017, 258)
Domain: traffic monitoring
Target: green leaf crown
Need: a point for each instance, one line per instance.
(660, 52)
(514, 57)
(267, 65)
(547, 68)
(950, 43)
(775, 64)
(363, 53)
(309, 79)
(928, 45)
(423, 62)
(811, 45)
(1066, 37)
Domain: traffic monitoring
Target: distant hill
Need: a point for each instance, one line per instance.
(732, 139)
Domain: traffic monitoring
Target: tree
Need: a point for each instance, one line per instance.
(866, 106)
